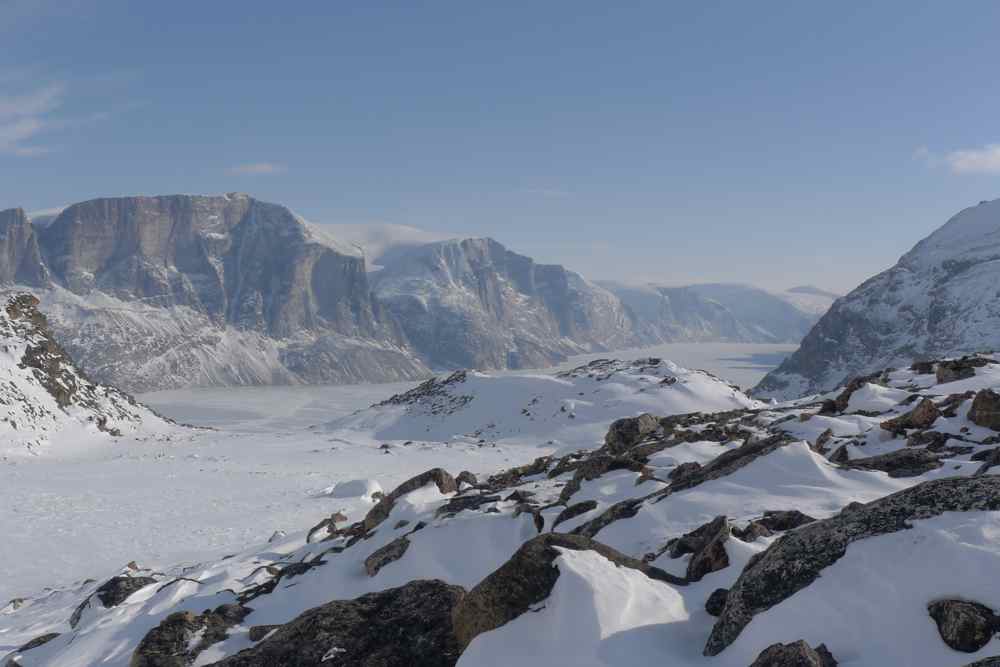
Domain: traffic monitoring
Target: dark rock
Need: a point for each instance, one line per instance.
(922, 367)
(168, 644)
(932, 440)
(111, 593)
(514, 476)
(964, 626)
(985, 410)
(716, 602)
(684, 470)
(991, 460)
(844, 398)
(900, 463)
(840, 455)
(466, 477)
(387, 554)
(707, 548)
(821, 441)
(797, 654)
(574, 511)
(958, 369)
(462, 503)
(798, 557)
(922, 416)
(527, 579)
(409, 626)
(779, 520)
(593, 467)
(445, 484)
(519, 496)
(753, 530)
(627, 432)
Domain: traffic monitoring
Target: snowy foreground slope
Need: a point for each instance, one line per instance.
(938, 300)
(48, 405)
(856, 528)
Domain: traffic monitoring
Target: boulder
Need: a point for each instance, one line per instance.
(624, 433)
(684, 470)
(444, 482)
(181, 636)
(964, 626)
(111, 593)
(779, 520)
(574, 511)
(466, 477)
(985, 410)
(527, 579)
(796, 654)
(716, 602)
(958, 369)
(922, 417)
(909, 462)
(706, 544)
(387, 554)
(795, 560)
(408, 626)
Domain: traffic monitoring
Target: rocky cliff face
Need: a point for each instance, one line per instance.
(713, 313)
(940, 299)
(157, 292)
(474, 303)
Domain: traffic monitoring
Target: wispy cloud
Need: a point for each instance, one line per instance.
(25, 115)
(258, 168)
(982, 160)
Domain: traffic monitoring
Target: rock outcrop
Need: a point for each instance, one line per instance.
(797, 654)
(798, 558)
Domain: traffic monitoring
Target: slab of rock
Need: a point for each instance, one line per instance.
(574, 511)
(111, 593)
(795, 560)
(780, 520)
(909, 462)
(923, 417)
(181, 636)
(706, 544)
(440, 477)
(627, 432)
(527, 579)
(985, 410)
(408, 626)
(387, 554)
(964, 626)
(796, 654)
(958, 369)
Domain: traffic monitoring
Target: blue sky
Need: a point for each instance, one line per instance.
(677, 142)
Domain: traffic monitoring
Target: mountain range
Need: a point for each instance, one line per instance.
(181, 290)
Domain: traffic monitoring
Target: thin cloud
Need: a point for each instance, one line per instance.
(24, 116)
(258, 168)
(984, 160)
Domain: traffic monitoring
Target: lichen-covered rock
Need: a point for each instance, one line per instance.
(706, 544)
(923, 416)
(408, 626)
(796, 559)
(574, 511)
(716, 601)
(444, 482)
(111, 593)
(796, 654)
(985, 410)
(953, 370)
(625, 433)
(909, 462)
(964, 626)
(779, 520)
(182, 636)
(387, 554)
(527, 579)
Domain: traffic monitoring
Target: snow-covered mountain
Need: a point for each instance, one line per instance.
(472, 303)
(718, 312)
(859, 528)
(157, 292)
(48, 404)
(940, 299)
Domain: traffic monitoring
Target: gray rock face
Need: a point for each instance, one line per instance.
(20, 258)
(937, 301)
(798, 558)
(475, 304)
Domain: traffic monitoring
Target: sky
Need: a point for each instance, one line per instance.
(777, 144)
